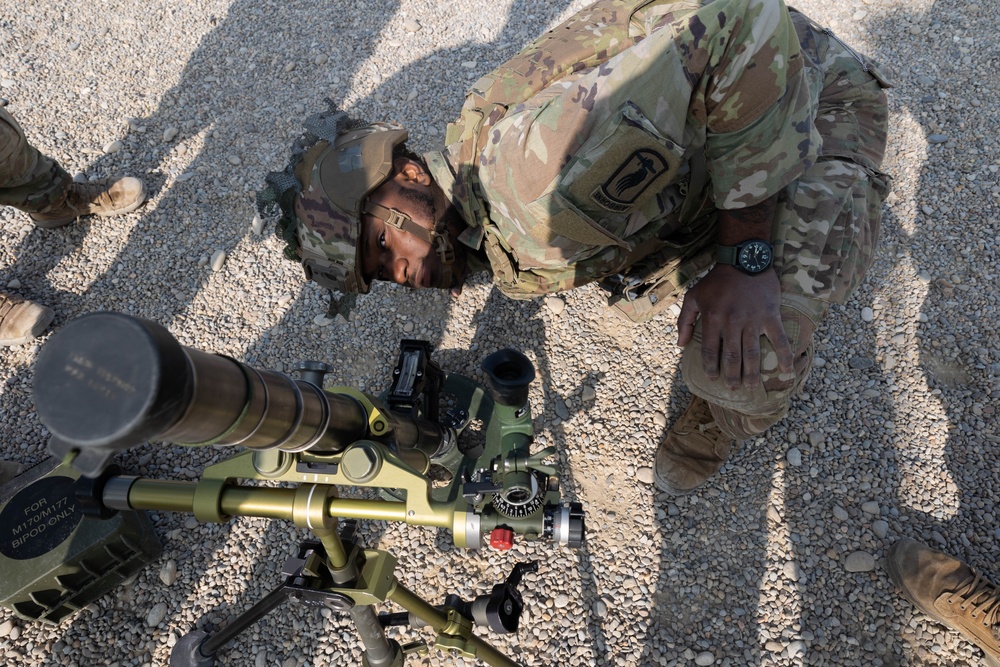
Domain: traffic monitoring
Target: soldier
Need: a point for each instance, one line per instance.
(638, 144)
(36, 184)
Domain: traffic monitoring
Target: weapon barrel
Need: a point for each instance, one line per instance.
(108, 381)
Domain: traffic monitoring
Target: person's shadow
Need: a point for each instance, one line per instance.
(882, 450)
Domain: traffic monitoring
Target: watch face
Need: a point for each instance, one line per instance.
(755, 256)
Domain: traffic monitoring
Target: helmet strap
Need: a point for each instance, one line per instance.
(438, 238)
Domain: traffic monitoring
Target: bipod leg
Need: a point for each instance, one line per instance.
(306, 580)
(198, 648)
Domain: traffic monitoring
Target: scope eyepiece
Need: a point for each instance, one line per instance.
(508, 374)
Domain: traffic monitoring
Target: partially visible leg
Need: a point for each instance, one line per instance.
(827, 226)
(29, 180)
(700, 442)
(36, 184)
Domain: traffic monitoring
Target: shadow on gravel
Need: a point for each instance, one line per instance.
(861, 425)
(208, 207)
(943, 227)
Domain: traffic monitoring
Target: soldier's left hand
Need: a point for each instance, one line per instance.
(736, 309)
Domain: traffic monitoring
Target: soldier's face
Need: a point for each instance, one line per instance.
(397, 256)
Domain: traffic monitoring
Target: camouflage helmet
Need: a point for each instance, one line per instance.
(336, 178)
(323, 194)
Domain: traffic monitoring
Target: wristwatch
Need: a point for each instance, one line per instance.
(750, 257)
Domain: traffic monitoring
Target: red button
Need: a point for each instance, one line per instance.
(502, 538)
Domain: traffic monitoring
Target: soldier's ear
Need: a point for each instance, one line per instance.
(410, 171)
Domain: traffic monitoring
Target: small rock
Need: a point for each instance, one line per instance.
(645, 475)
(261, 659)
(321, 59)
(601, 609)
(290, 67)
(861, 363)
(840, 513)
(284, 300)
(156, 614)
(704, 658)
(860, 561)
(410, 25)
(880, 528)
(792, 570)
(322, 320)
(112, 147)
(796, 649)
(937, 138)
(555, 304)
(561, 601)
(867, 314)
(5, 628)
(191, 523)
(218, 259)
(168, 573)
(8, 83)
(170, 133)
(257, 225)
(14, 284)
(870, 507)
(794, 457)
(588, 394)
(203, 260)
(234, 160)
(660, 419)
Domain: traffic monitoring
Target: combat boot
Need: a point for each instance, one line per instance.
(21, 320)
(104, 198)
(948, 591)
(693, 451)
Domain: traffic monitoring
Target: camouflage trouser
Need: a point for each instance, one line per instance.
(841, 196)
(29, 180)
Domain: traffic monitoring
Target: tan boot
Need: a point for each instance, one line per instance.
(693, 451)
(21, 320)
(105, 197)
(948, 591)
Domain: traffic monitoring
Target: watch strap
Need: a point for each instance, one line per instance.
(726, 254)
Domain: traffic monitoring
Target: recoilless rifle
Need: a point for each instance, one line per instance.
(108, 381)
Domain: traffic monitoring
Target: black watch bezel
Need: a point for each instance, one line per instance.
(738, 256)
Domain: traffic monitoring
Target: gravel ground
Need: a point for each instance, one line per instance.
(778, 561)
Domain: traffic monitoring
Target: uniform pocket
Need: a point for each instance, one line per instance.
(623, 164)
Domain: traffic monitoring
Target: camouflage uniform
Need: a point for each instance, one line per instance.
(596, 165)
(29, 180)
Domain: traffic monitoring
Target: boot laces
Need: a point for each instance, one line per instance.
(983, 597)
(698, 415)
(88, 193)
(6, 305)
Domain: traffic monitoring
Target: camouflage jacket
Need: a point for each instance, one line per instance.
(573, 160)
